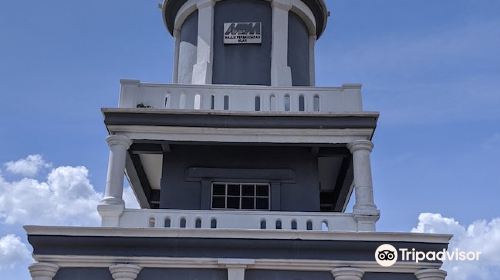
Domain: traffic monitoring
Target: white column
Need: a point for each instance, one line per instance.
(431, 274)
(347, 273)
(43, 271)
(202, 70)
(365, 210)
(175, 74)
(124, 271)
(112, 206)
(281, 74)
(312, 60)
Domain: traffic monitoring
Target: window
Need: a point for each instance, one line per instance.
(246, 196)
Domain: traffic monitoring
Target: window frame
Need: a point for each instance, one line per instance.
(241, 196)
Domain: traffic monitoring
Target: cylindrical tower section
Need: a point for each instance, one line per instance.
(245, 42)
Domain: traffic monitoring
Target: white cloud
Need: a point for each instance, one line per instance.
(28, 166)
(13, 252)
(66, 197)
(482, 236)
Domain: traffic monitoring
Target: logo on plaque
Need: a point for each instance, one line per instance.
(242, 33)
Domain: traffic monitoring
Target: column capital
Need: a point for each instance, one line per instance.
(347, 273)
(431, 274)
(205, 3)
(124, 271)
(122, 140)
(282, 4)
(43, 271)
(360, 145)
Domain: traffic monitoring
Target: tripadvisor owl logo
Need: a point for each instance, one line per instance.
(386, 255)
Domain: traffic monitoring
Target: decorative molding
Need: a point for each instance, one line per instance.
(360, 145)
(235, 233)
(43, 270)
(431, 274)
(265, 264)
(124, 271)
(347, 273)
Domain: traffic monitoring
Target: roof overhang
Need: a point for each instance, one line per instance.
(170, 8)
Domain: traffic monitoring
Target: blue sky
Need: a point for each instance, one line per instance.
(432, 68)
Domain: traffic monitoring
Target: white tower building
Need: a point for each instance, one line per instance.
(242, 167)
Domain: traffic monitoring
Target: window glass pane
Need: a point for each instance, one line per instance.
(262, 190)
(248, 190)
(247, 203)
(233, 202)
(262, 203)
(218, 202)
(219, 189)
(233, 189)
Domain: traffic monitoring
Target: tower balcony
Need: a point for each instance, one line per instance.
(242, 98)
(252, 220)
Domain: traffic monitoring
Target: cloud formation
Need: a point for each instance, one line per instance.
(64, 197)
(482, 236)
(28, 166)
(12, 251)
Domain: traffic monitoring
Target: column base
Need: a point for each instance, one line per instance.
(110, 211)
(366, 219)
(43, 271)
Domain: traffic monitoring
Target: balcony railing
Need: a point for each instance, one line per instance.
(346, 98)
(264, 220)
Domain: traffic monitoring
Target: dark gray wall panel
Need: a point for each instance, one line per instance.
(83, 273)
(298, 50)
(215, 247)
(301, 194)
(252, 274)
(246, 64)
(389, 276)
(187, 48)
(182, 274)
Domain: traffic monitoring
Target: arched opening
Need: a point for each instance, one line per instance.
(213, 223)
(294, 224)
(197, 223)
(226, 102)
(287, 103)
(257, 103)
(316, 103)
(278, 224)
(182, 223)
(212, 102)
(263, 224)
(152, 222)
(272, 103)
(302, 103)
(324, 226)
(309, 225)
(167, 222)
